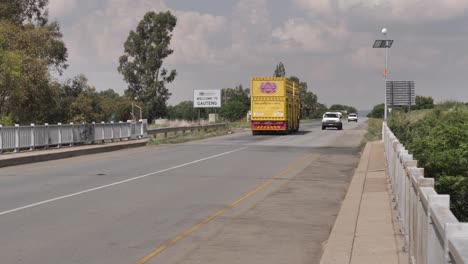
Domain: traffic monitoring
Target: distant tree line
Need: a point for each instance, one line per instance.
(422, 102)
(235, 102)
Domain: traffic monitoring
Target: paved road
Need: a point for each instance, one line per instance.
(232, 199)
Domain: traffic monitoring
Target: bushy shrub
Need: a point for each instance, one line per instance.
(6, 120)
(233, 110)
(377, 112)
(439, 141)
(457, 187)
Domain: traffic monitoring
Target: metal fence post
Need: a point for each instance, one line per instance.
(17, 138)
(84, 138)
(129, 129)
(120, 130)
(1, 138)
(103, 132)
(94, 132)
(47, 135)
(112, 131)
(32, 137)
(143, 128)
(71, 135)
(132, 129)
(59, 135)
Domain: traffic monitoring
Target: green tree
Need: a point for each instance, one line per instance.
(20, 11)
(319, 111)
(377, 111)
(74, 87)
(339, 107)
(309, 104)
(33, 96)
(184, 111)
(114, 107)
(87, 107)
(280, 71)
(233, 110)
(109, 94)
(307, 98)
(68, 93)
(239, 95)
(141, 65)
(10, 72)
(424, 102)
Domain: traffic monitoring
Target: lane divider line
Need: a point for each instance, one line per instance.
(116, 183)
(160, 249)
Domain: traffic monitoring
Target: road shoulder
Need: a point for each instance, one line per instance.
(14, 159)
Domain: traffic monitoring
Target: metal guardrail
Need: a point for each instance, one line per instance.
(165, 130)
(17, 137)
(432, 233)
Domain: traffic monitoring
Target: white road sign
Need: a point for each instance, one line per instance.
(206, 98)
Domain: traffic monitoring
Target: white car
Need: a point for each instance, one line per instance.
(352, 117)
(332, 119)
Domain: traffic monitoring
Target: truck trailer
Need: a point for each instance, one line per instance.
(274, 105)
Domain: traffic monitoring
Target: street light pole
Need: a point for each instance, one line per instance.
(384, 32)
(384, 43)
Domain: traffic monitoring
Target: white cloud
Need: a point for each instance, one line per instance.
(191, 38)
(330, 48)
(250, 32)
(316, 6)
(401, 10)
(101, 34)
(366, 58)
(317, 37)
(60, 8)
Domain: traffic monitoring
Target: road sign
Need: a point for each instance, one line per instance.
(206, 98)
(401, 93)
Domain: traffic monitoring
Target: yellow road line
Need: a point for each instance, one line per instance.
(155, 252)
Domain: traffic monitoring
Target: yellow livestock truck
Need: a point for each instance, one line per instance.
(274, 105)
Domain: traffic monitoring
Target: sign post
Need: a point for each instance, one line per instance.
(206, 99)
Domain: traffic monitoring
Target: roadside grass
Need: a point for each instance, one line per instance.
(374, 131)
(413, 116)
(176, 138)
(241, 124)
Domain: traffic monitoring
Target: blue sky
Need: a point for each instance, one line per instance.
(327, 43)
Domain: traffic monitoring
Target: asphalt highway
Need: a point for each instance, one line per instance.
(231, 199)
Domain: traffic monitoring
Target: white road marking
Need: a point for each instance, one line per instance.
(116, 183)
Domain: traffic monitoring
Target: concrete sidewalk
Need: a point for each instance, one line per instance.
(366, 230)
(26, 157)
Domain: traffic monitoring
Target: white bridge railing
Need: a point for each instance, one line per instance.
(16, 138)
(432, 233)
